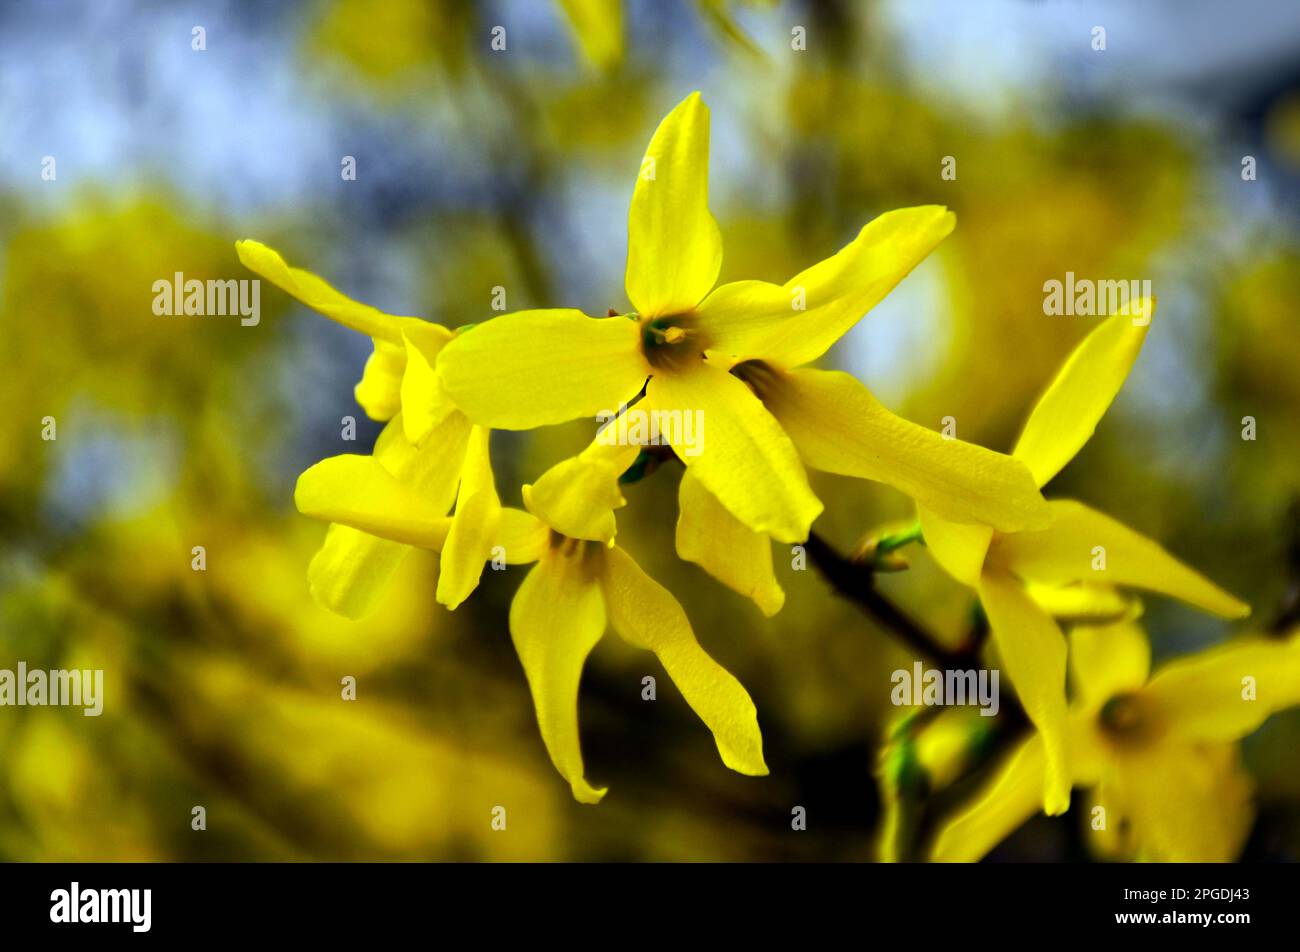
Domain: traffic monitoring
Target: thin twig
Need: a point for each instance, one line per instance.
(857, 583)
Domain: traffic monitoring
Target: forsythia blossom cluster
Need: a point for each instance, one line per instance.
(735, 356)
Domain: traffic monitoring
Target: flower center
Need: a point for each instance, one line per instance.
(671, 343)
(1124, 718)
(581, 554)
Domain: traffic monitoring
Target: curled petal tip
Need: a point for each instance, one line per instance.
(1056, 802)
(583, 792)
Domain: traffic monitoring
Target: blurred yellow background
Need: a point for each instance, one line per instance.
(479, 169)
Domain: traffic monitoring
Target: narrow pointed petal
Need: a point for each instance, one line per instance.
(318, 295)
(1085, 602)
(1033, 650)
(645, 614)
(349, 574)
(473, 530)
(431, 469)
(796, 322)
(674, 248)
(1106, 660)
(535, 368)
(839, 427)
(357, 491)
(424, 403)
(577, 496)
(718, 542)
(1072, 549)
(351, 571)
(556, 618)
(959, 547)
(1228, 692)
(379, 391)
(746, 459)
(1067, 414)
(522, 536)
(1014, 795)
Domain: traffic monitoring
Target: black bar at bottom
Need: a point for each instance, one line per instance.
(544, 903)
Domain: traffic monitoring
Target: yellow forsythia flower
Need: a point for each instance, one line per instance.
(729, 354)
(380, 390)
(580, 494)
(1159, 757)
(358, 557)
(428, 444)
(561, 609)
(1080, 546)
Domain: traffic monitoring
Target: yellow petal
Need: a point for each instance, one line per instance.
(1187, 804)
(1015, 792)
(745, 458)
(379, 392)
(431, 469)
(1012, 797)
(674, 248)
(534, 368)
(1074, 546)
(1090, 750)
(645, 613)
(1068, 412)
(797, 322)
(352, 568)
(423, 401)
(1085, 602)
(556, 618)
(350, 573)
(320, 296)
(839, 427)
(597, 25)
(1113, 842)
(473, 530)
(960, 548)
(1106, 660)
(522, 536)
(1226, 693)
(715, 540)
(357, 491)
(577, 496)
(1033, 651)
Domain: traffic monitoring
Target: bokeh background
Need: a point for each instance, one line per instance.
(478, 169)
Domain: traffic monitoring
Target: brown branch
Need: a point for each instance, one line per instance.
(857, 583)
